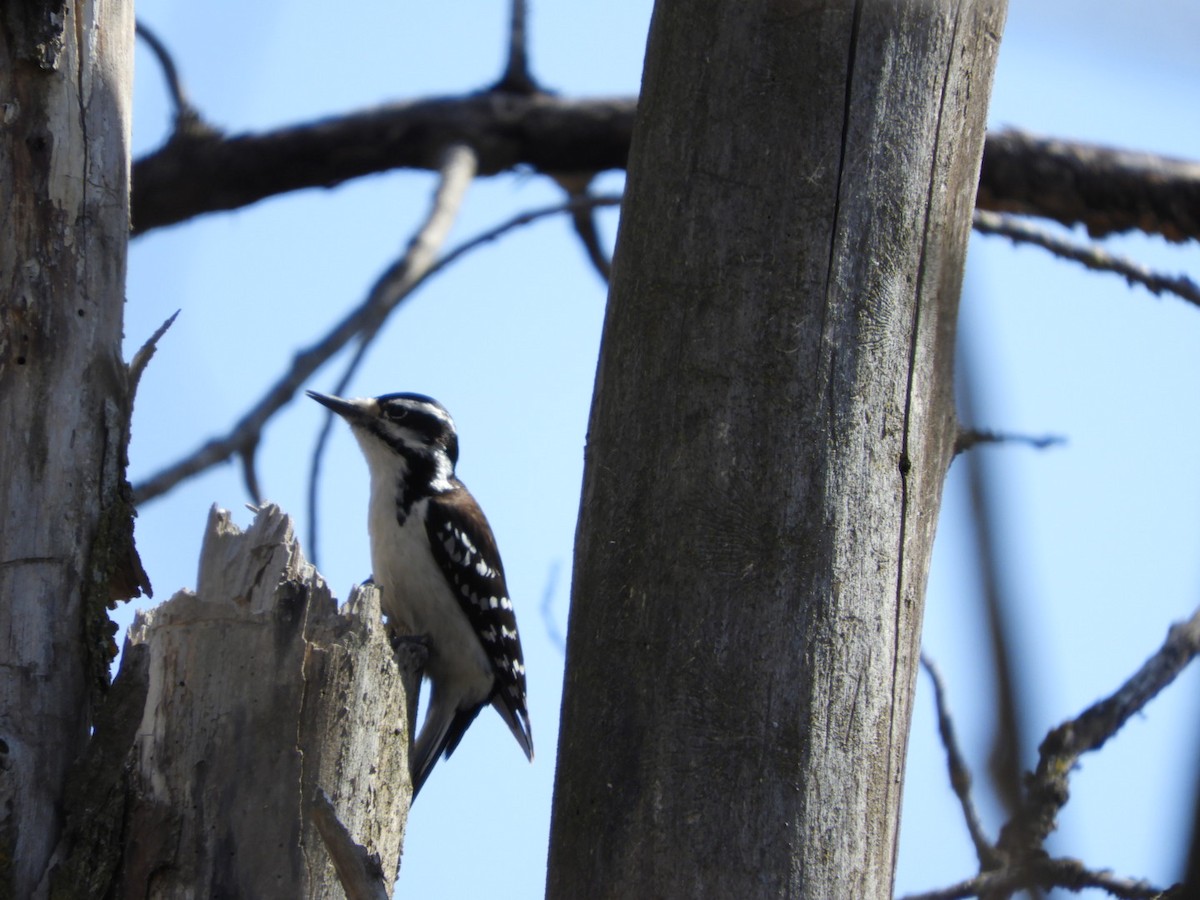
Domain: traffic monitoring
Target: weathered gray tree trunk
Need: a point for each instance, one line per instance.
(261, 693)
(65, 551)
(770, 429)
(247, 697)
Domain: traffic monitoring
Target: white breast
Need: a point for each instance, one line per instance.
(416, 597)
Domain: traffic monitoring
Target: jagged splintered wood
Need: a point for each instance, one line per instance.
(260, 692)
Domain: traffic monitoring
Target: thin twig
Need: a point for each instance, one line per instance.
(960, 773)
(1004, 763)
(391, 287)
(145, 353)
(592, 201)
(584, 220)
(217, 450)
(1047, 789)
(969, 438)
(517, 79)
(585, 226)
(394, 285)
(167, 64)
(1020, 860)
(247, 455)
(368, 338)
(1094, 257)
(188, 121)
(1062, 872)
(547, 610)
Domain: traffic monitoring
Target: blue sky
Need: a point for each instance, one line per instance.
(1101, 536)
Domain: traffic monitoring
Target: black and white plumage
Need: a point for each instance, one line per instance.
(438, 569)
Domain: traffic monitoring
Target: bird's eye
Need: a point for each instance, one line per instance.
(395, 413)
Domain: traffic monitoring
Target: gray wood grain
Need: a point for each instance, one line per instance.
(260, 693)
(770, 429)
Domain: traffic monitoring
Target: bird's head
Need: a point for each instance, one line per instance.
(411, 432)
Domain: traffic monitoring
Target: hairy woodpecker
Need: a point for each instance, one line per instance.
(438, 570)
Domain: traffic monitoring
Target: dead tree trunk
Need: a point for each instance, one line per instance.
(244, 700)
(770, 429)
(65, 545)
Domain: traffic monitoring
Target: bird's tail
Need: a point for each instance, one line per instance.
(442, 730)
(445, 726)
(517, 720)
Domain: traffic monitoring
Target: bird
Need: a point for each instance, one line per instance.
(438, 570)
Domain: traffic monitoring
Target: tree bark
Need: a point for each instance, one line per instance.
(65, 537)
(771, 425)
(258, 694)
(1105, 189)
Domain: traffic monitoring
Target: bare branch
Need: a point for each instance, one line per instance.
(591, 201)
(506, 131)
(969, 438)
(1019, 861)
(517, 79)
(305, 363)
(584, 220)
(546, 608)
(360, 873)
(1092, 256)
(169, 70)
(585, 227)
(1074, 876)
(1004, 760)
(1047, 788)
(526, 218)
(188, 122)
(416, 263)
(392, 286)
(1106, 190)
(145, 353)
(960, 773)
(1063, 872)
(249, 473)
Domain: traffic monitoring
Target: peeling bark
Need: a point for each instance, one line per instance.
(65, 538)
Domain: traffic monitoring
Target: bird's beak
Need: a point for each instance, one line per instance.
(347, 409)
